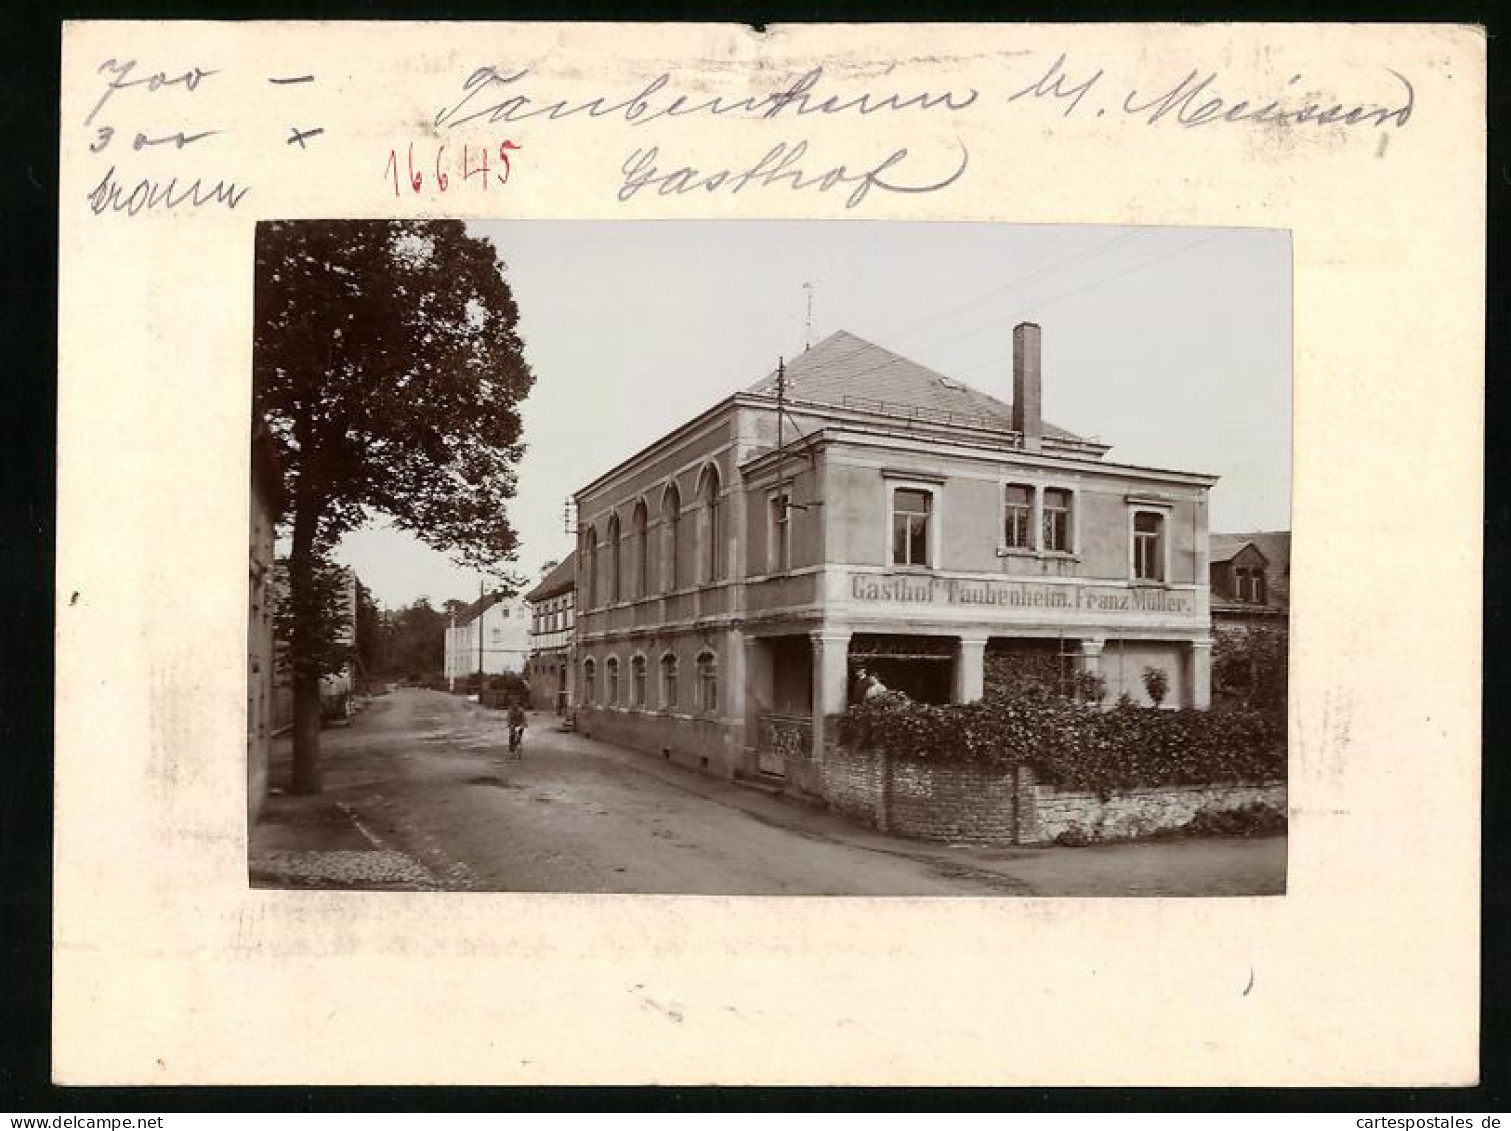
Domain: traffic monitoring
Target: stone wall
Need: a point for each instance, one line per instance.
(1050, 812)
(988, 805)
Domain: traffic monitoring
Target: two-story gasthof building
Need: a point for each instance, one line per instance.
(553, 631)
(858, 510)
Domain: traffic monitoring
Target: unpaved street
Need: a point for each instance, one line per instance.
(419, 782)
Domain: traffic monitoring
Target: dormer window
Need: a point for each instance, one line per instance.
(1249, 583)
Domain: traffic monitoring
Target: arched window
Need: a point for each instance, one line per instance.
(642, 551)
(616, 558)
(671, 537)
(711, 519)
(668, 681)
(708, 682)
(590, 567)
(611, 678)
(589, 683)
(637, 682)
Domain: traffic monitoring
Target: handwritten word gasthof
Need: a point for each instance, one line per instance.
(778, 167)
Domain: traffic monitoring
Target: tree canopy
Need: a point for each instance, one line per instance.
(389, 366)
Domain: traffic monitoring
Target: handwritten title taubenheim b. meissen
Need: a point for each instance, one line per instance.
(499, 95)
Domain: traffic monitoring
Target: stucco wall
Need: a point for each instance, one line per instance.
(970, 513)
(700, 743)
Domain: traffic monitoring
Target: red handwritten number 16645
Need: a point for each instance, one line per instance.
(439, 164)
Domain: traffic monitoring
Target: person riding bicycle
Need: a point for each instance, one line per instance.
(516, 726)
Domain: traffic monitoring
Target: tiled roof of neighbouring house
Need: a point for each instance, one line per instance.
(845, 371)
(1275, 545)
(562, 577)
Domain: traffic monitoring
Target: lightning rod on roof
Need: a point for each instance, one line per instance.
(808, 325)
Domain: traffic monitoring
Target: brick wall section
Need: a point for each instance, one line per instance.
(851, 781)
(985, 805)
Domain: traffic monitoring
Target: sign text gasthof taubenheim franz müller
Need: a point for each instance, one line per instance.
(955, 591)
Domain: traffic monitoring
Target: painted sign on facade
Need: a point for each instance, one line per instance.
(1019, 594)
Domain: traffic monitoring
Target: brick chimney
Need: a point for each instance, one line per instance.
(1027, 394)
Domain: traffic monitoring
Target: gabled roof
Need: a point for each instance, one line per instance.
(471, 612)
(561, 578)
(845, 371)
(1226, 548)
(1274, 546)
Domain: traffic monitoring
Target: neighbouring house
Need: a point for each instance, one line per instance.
(491, 635)
(856, 510)
(552, 631)
(266, 503)
(337, 690)
(1251, 579)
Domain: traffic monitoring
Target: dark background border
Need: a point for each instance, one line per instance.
(30, 39)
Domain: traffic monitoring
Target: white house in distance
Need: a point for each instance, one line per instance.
(491, 635)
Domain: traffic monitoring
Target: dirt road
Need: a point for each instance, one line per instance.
(421, 777)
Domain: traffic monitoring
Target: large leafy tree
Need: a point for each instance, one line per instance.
(388, 364)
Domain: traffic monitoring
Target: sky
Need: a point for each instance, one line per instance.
(1171, 344)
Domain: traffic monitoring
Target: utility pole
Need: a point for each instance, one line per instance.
(479, 623)
(781, 398)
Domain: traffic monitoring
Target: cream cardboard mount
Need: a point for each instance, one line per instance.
(1366, 143)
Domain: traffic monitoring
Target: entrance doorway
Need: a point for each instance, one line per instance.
(786, 730)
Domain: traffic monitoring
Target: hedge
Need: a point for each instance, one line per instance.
(1076, 746)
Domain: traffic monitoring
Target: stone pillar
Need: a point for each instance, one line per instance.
(1091, 659)
(831, 679)
(1199, 675)
(970, 670)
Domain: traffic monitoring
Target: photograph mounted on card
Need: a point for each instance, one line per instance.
(796, 548)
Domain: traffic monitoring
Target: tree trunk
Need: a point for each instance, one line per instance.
(306, 733)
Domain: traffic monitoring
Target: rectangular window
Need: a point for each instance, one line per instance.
(1017, 516)
(910, 526)
(781, 537)
(1056, 520)
(1148, 546)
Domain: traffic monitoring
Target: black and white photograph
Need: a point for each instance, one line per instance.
(769, 558)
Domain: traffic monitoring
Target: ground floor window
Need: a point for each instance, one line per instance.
(668, 680)
(708, 682)
(589, 681)
(611, 671)
(637, 682)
